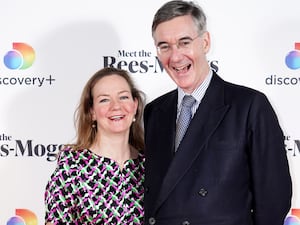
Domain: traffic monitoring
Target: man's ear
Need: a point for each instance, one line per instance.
(206, 42)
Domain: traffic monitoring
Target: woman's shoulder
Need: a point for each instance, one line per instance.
(70, 155)
(65, 153)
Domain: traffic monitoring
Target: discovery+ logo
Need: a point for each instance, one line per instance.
(293, 218)
(20, 57)
(292, 60)
(23, 217)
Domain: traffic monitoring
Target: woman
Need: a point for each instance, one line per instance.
(99, 179)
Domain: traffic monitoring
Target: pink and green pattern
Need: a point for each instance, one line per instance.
(89, 189)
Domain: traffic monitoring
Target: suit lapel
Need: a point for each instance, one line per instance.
(167, 122)
(207, 118)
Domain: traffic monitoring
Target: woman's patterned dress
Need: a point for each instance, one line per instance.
(89, 189)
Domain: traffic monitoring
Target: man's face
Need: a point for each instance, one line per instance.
(182, 51)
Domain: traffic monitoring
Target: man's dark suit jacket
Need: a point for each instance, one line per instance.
(230, 168)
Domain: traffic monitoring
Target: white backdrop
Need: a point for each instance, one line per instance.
(62, 43)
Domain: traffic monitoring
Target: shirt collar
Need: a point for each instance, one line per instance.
(198, 93)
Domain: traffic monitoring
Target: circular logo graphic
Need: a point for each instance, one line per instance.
(20, 57)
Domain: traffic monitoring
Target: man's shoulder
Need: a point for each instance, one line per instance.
(235, 88)
(242, 89)
(234, 92)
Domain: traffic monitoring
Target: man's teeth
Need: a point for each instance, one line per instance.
(180, 68)
(183, 68)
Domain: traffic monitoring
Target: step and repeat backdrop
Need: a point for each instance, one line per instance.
(49, 49)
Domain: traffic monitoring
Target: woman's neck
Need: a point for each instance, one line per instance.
(116, 148)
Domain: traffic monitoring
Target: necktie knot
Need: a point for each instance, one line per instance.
(188, 101)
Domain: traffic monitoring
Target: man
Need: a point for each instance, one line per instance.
(230, 168)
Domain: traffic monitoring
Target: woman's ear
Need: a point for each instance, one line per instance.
(93, 114)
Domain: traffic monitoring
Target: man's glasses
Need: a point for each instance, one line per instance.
(182, 44)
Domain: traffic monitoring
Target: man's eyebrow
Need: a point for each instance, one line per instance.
(161, 42)
(180, 39)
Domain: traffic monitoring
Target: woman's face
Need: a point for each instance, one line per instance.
(113, 105)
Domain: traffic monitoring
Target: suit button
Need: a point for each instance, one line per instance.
(152, 221)
(203, 192)
(186, 223)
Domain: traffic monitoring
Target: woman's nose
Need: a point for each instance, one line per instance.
(115, 104)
